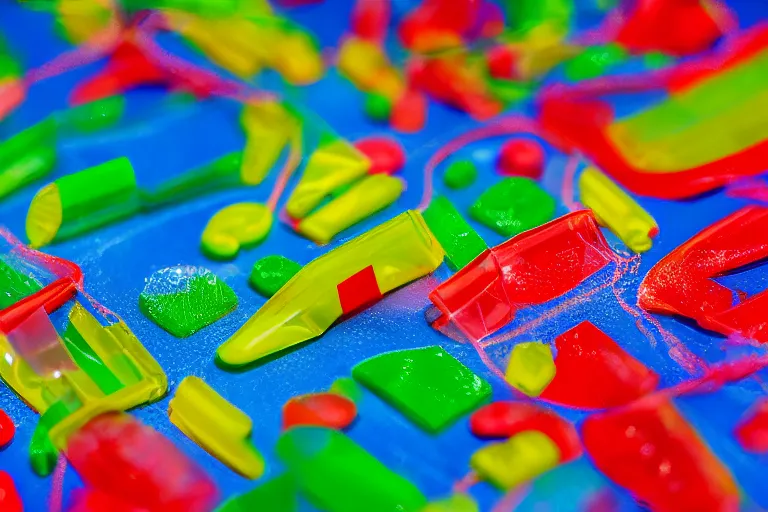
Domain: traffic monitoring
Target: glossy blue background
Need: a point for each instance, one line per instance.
(163, 137)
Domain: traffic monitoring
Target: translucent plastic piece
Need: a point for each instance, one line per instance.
(271, 273)
(683, 283)
(268, 127)
(752, 431)
(117, 455)
(216, 425)
(334, 164)
(339, 476)
(27, 156)
(184, 299)
(531, 367)
(521, 458)
(615, 209)
(461, 243)
(35, 339)
(651, 450)
(532, 268)
(236, 226)
(718, 117)
(363, 199)
(399, 251)
(7, 430)
(10, 501)
(319, 409)
(279, 494)
(513, 205)
(456, 503)
(428, 385)
(367, 66)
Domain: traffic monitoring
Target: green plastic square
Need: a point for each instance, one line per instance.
(428, 385)
(183, 300)
(513, 205)
(460, 242)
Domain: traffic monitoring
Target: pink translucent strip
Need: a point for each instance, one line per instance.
(35, 339)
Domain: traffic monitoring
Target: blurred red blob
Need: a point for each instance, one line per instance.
(319, 409)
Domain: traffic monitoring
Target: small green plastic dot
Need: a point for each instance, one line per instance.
(377, 106)
(270, 273)
(460, 174)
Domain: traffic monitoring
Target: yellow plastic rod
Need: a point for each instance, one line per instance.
(216, 425)
(616, 210)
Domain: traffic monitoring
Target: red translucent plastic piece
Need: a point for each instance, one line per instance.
(752, 433)
(654, 25)
(531, 268)
(370, 19)
(7, 430)
(10, 501)
(521, 157)
(319, 409)
(358, 290)
(502, 420)
(409, 113)
(594, 372)
(118, 456)
(386, 154)
(448, 80)
(682, 282)
(90, 500)
(455, 17)
(653, 452)
(501, 62)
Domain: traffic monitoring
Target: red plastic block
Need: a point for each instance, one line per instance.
(409, 113)
(7, 430)
(118, 456)
(682, 282)
(752, 433)
(436, 24)
(596, 373)
(531, 268)
(386, 154)
(370, 19)
(502, 420)
(501, 62)
(89, 500)
(521, 157)
(654, 25)
(319, 409)
(653, 452)
(10, 501)
(359, 290)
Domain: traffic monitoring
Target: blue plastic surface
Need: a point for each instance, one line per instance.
(163, 138)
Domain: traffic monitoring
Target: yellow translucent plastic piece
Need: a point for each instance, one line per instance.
(268, 129)
(400, 251)
(235, 226)
(616, 210)
(45, 216)
(84, 19)
(531, 367)
(456, 503)
(296, 59)
(20, 377)
(216, 425)
(127, 358)
(332, 165)
(521, 458)
(542, 48)
(366, 197)
(721, 116)
(367, 66)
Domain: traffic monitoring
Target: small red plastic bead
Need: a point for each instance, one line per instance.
(370, 19)
(409, 113)
(501, 62)
(386, 154)
(10, 501)
(752, 433)
(7, 430)
(319, 409)
(521, 157)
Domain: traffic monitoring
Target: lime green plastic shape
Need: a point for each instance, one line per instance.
(94, 116)
(595, 61)
(278, 494)
(14, 285)
(28, 156)
(428, 385)
(338, 475)
(460, 174)
(460, 242)
(513, 205)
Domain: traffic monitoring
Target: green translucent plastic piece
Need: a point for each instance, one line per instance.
(337, 475)
(509, 91)
(595, 61)
(460, 242)
(428, 385)
(377, 106)
(223, 173)
(90, 362)
(42, 453)
(270, 273)
(14, 285)
(205, 300)
(28, 156)
(456, 503)
(513, 205)
(276, 495)
(9, 66)
(200, 7)
(347, 387)
(96, 115)
(523, 15)
(460, 174)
